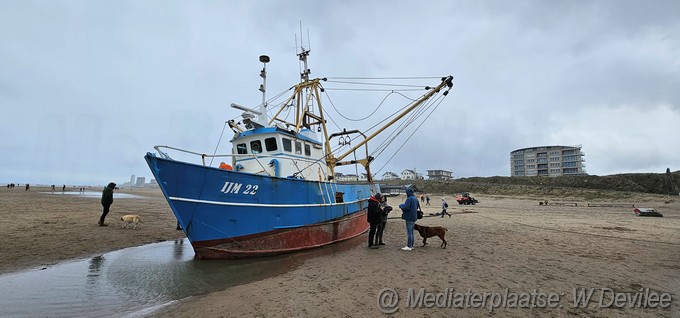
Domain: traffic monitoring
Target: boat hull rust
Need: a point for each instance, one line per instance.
(281, 241)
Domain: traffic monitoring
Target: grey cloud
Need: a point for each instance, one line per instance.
(86, 83)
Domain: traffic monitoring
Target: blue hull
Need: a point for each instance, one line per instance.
(216, 206)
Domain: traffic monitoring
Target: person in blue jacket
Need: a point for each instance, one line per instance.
(410, 214)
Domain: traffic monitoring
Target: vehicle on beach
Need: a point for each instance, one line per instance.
(276, 191)
(647, 212)
(466, 199)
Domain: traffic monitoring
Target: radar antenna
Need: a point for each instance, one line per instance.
(304, 73)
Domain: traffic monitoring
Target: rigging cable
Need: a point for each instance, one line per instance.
(374, 111)
(386, 78)
(218, 143)
(441, 99)
(375, 84)
(411, 119)
(401, 128)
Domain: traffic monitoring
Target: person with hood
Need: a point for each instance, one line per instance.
(107, 200)
(373, 215)
(410, 214)
(444, 207)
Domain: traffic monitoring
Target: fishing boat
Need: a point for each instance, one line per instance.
(276, 192)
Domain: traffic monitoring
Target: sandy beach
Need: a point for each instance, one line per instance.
(46, 227)
(499, 250)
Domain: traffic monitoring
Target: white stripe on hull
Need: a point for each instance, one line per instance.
(258, 204)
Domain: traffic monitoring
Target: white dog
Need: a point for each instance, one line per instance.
(131, 218)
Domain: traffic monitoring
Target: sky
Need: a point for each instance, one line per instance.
(87, 88)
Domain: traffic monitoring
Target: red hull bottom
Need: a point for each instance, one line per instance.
(282, 241)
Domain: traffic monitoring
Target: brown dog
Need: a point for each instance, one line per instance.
(430, 231)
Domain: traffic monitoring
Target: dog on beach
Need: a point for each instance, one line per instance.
(430, 231)
(131, 218)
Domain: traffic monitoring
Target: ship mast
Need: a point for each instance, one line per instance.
(307, 93)
(262, 118)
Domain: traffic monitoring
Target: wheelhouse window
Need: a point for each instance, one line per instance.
(287, 145)
(241, 149)
(256, 146)
(308, 150)
(298, 148)
(270, 144)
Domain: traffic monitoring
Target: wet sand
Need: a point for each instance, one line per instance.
(501, 244)
(42, 228)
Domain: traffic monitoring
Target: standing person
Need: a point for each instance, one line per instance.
(52, 189)
(107, 200)
(444, 207)
(63, 189)
(384, 211)
(373, 216)
(422, 198)
(409, 213)
(427, 198)
(27, 187)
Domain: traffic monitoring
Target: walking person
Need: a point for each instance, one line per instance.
(410, 214)
(374, 219)
(107, 200)
(444, 207)
(427, 198)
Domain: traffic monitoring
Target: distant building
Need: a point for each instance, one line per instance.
(391, 190)
(389, 175)
(140, 181)
(347, 177)
(132, 179)
(440, 175)
(409, 174)
(547, 161)
(338, 176)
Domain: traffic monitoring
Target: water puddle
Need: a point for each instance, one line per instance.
(135, 281)
(127, 281)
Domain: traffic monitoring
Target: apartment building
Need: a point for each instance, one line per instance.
(547, 161)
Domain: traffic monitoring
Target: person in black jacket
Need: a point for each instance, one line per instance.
(384, 211)
(107, 200)
(374, 219)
